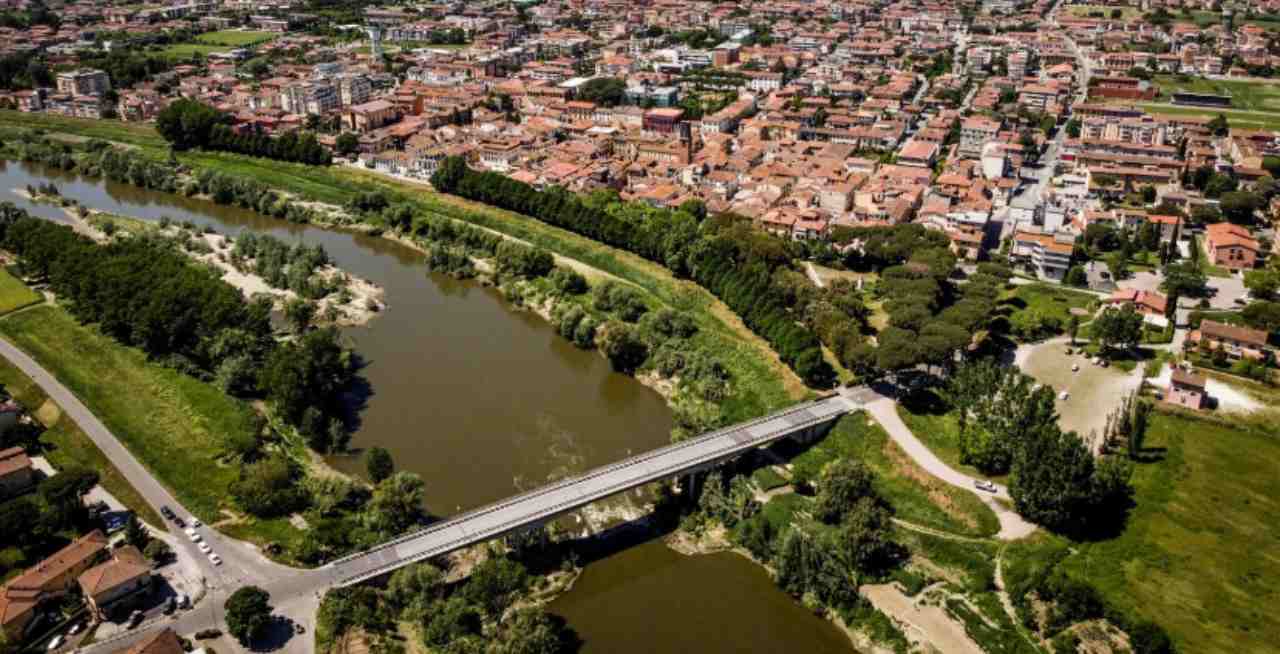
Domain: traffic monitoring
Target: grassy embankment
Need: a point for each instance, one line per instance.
(761, 381)
(174, 424)
(1049, 301)
(1198, 554)
(938, 429)
(63, 443)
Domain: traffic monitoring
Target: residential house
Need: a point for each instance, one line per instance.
(16, 474)
(49, 579)
(109, 585)
(1237, 341)
(1230, 246)
(1186, 389)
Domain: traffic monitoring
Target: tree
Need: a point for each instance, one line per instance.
(1263, 315)
(996, 405)
(1118, 264)
(187, 124)
(248, 614)
(1050, 478)
(1185, 279)
(1076, 277)
(843, 483)
(158, 551)
(300, 313)
(1219, 125)
(1239, 206)
(413, 582)
(1263, 283)
(1118, 328)
(379, 464)
(134, 533)
(396, 503)
(1073, 328)
(347, 143)
(604, 91)
(535, 631)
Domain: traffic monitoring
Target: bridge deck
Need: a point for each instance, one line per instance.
(548, 502)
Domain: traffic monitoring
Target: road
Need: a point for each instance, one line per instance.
(242, 564)
(885, 410)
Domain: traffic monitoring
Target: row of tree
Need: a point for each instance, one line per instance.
(144, 293)
(188, 124)
(725, 256)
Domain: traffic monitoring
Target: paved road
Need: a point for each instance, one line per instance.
(884, 410)
(242, 564)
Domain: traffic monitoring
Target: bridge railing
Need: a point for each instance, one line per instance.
(547, 513)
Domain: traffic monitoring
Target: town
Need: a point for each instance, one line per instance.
(954, 321)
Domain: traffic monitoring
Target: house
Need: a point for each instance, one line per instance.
(1230, 246)
(1049, 255)
(164, 641)
(126, 575)
(16, 474)
(1186, 389)
(49, 579)
(1150, 304)
(1237, 341)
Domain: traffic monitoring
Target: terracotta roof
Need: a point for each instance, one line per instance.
(13, 460)
(1218, 330)
(126, 564)
(23, 592)
(1185, 378)
(164, 641)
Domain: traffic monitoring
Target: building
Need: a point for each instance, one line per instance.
(309, 98)
(16, 474)
(663, 121)
(49, 579)
(1186, 389)
(370, 116)
(1238, 342)
(1150, 304)
(1230, 246)
(1048, 255)
(164, 641)
(654, 96)
(975, 133)
(109, 585)
(83, 81)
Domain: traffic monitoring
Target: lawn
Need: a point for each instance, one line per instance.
(1242, 119)
(1049, 300)
(176, 425)
(65, 445)
(235, 38)
(183, 51)
(928, 418)
(14, 294)
(1198, 555)
(916, 496)
(1248, 96)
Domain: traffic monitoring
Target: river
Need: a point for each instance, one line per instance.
(482, 400)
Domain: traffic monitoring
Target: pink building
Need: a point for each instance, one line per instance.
(1186, 389)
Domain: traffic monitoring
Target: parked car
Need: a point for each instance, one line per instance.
(204, 547)
(167, 512)
(984, 485)
(179, 521)
(215, 559)
(75, 628)
(170, 605)
(55, 643)
(135, 619)
(191, 533)
(195, 522)
(184, 601)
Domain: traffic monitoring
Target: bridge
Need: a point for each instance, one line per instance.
(542, 505)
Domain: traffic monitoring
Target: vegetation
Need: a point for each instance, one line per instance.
(248, 614)
(1185, 558)
(190, 124)
(728, 258)
(14, 294)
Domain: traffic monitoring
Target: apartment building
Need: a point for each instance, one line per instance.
(83, 81)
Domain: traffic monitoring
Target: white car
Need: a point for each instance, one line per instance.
(75, 628)
(55, 643)
(1064, 395)
(195, 522)
(204, 547)
(191, 533)
(215, 559)
(982, 484)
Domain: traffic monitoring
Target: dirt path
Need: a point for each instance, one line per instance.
(921, 623)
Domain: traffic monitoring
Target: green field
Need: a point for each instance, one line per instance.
(1246, 96)
(1201, 551)
(14, 294)
(916, 496)
(1210, 18)
(174, 424)
(64, 444)
(235, 38)
(183, 51)
(1243, 119)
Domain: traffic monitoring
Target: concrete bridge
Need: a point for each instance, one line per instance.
(539, 506)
